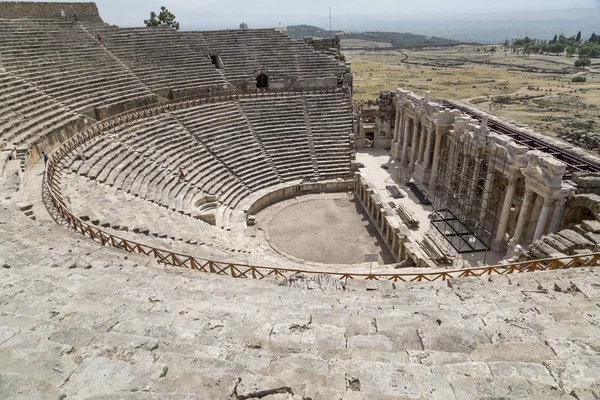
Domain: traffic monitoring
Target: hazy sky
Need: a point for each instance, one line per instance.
(197, 13)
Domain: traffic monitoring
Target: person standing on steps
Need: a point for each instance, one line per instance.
(99, 38)
(62, 14)
(75, 17)
(45, 160)
(181, 175)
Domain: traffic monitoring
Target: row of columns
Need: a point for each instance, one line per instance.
(411, 134)
(540, 228)
(390, 234)
(547, 204)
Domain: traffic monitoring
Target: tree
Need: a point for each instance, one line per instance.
(243, 25)
(492, 49)
(594, 38)
(582, 62)
(571, 50)
(165, 18)
(578, 37)
(589, 49)
(554, 40)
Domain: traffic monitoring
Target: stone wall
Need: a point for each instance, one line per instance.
(46, 10)
(113, 109)
(323, 44)
(293, 190)
(377, 117)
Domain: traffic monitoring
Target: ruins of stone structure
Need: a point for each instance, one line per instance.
(502, 191)
(112, 263)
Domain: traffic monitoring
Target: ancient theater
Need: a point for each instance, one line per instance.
(209, 215)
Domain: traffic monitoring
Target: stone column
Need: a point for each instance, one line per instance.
(423, 134)
(498, 242)
(489, 179)
(427, 156)
(436, 159)
(559, 210)
(405, 144)
(413, 150)
(401, 242)
(542, 220)
(396, 126)
(522, 217)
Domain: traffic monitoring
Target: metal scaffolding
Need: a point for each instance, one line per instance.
(468, 190)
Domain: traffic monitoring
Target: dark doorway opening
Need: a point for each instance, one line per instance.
(369, 140)
(216, 61)
(262, 81)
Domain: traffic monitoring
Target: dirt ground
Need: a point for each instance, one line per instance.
(535, 90)
(331, 230)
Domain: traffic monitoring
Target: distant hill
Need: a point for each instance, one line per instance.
(395, 38)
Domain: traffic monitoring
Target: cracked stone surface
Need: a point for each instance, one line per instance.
(127, 328)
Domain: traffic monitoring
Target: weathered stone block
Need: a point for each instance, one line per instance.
(513, 352)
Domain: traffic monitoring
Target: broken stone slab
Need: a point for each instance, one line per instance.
(541, 249)
(37, 364)
(371, 342)
(570, 245)
(531, 372)
(591, 225)
(594, 237)
(430, 358)
(559, 246)
(26, 387)
(123, 376)
(574, 348)
(579, 241)
(452, 339)
(535, 352)
(258, 387)
(474, 387)
(575, 372)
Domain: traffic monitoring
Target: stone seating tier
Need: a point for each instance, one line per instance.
(243, 51)
(26, 114)
(87, 321)
(175, 66)
(66, 62)
(228, 149)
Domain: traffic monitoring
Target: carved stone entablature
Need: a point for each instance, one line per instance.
(446, 117)
(506, 154)
(544, 175)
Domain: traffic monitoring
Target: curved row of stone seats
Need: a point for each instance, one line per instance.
(220, 148)
(27, 117)
(66, 62)
(116, 210)
(26, 113)
(331, 132)
(81, 320)
(243, 52)
(143, 159)
(161, 58)
(223, 129)
(284, 134)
